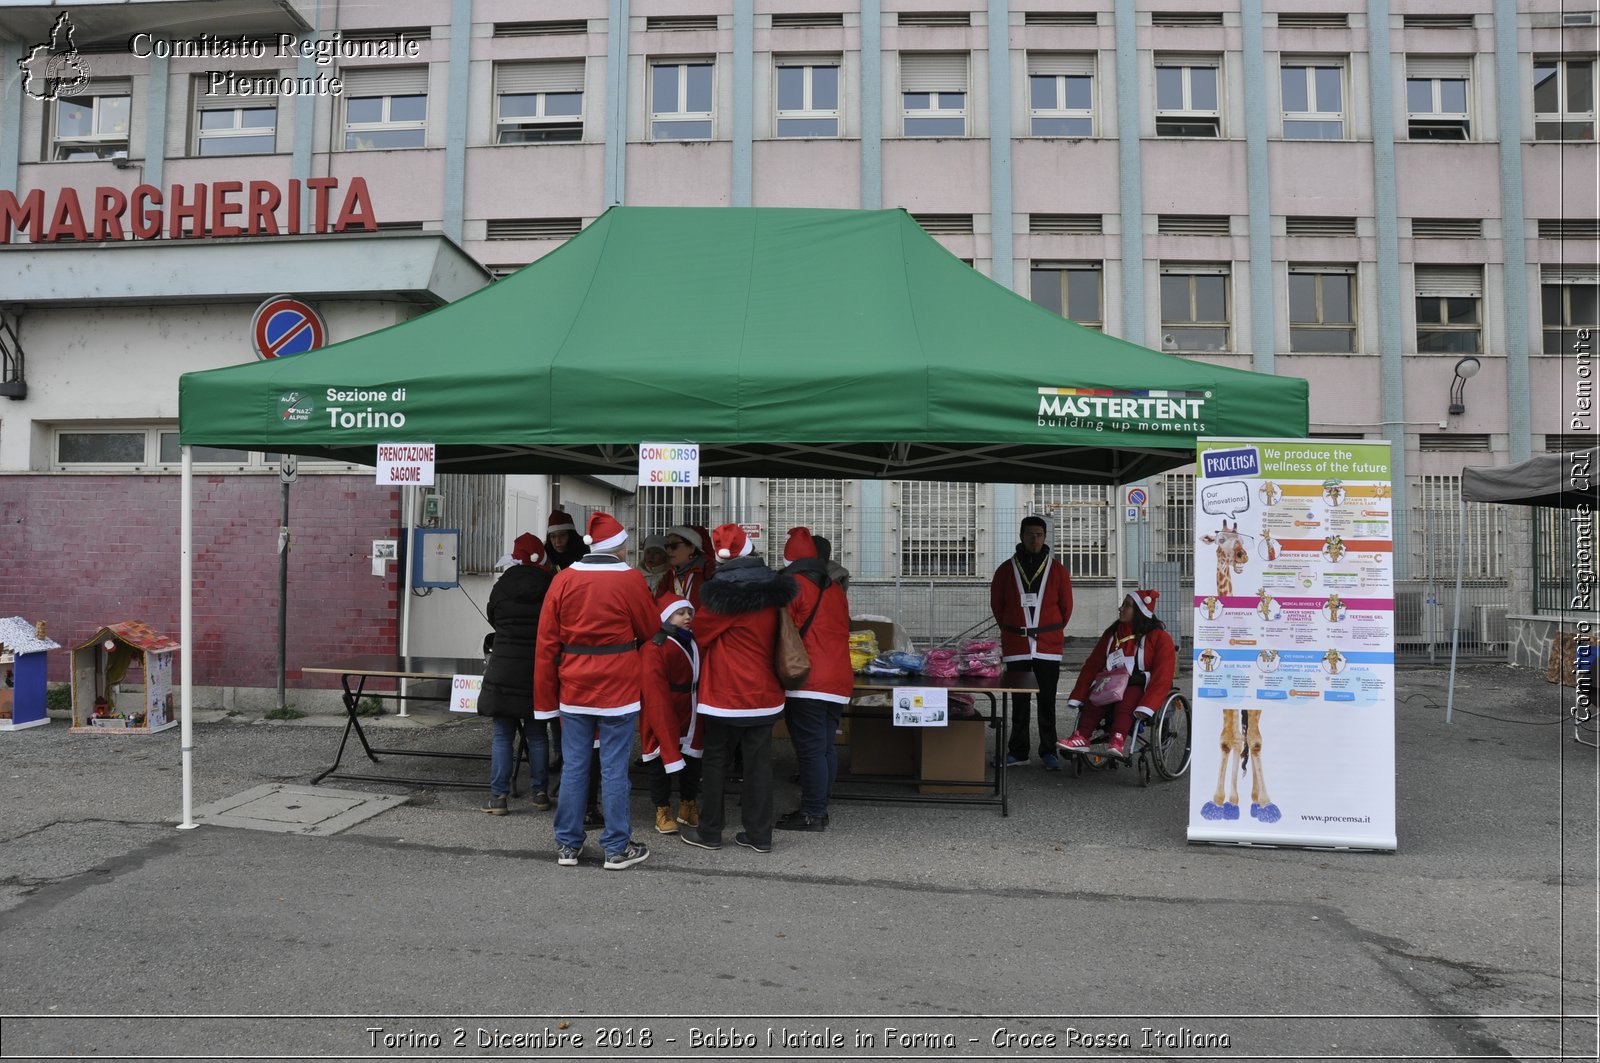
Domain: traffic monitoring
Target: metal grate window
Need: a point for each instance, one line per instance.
(803, 20)
(476, 505)
(674, 23)
(938, 528)
(1452, 442)
(533, 228)
(1308, 225)
(1563, 443)
(1192, 224)
(659, 508)
(1186, 18)
(1436, 530)
(547, 28)
(1173, 540)
(1313, 19)
(1074, 224)
(944, 224)
(1080, 518)
(1569, 228)
(1059, 18)
(1561, 540)
(814, 504)
(935, 18)
(1447, 228)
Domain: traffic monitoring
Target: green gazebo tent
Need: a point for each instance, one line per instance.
(784, 342)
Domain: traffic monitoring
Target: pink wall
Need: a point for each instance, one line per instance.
(101, 549)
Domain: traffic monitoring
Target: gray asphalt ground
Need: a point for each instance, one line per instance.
(1067, 930)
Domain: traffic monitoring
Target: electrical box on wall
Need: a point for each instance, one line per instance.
(432, 506)
(433, 557)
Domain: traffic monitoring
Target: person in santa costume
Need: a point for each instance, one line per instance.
(1031, 598)
(690, 568)
(1139, 643)
(740, 697)
(507, 694)
(822, 614)
(588, 673)
(668, 739)
(561, 539)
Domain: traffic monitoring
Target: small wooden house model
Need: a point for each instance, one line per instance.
(22, 673)
(122, 681)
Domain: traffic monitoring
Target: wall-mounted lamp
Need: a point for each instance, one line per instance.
(1466, 369)
(120, 160)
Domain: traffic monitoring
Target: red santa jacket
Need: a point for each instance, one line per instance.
(828, 638)
(737, 632)
(1153, 655)
(596, 614)
(667, 721)
(1036, 630)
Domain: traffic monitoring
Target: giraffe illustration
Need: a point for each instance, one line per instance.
(1333, 661)
(1239, 745)
(1210, 604)
(1209, 659)
(1231, 556)
(1267, 660)
(1334, 608)
(1266, 604)
(1333, 492)
(1271, 494)
(1269, 545)
(1333, 546)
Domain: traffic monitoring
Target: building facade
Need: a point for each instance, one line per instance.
(1393, 200)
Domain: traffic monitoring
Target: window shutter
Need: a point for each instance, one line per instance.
(1061, 65)
(1588, 273)
(1457, 67)
(1464, 281)
(933, 72)
(390, 81)
(100, 86)
(228, 103)
(565, 75)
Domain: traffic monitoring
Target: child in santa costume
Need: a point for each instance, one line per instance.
(667, 726)
(1139, 643)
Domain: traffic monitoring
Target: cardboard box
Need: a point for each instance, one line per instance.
(883, 632)
(877, 747)
(952, 752)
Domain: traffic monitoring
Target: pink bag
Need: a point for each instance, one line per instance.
(942, 664)
(980, 658)
(1107, 688)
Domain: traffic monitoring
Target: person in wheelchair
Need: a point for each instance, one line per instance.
(1128, 674)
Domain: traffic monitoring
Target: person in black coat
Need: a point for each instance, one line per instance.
(507, 694)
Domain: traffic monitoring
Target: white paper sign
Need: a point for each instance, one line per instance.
(405, 464)
(921, 707)
(464, 691)
(669, 465)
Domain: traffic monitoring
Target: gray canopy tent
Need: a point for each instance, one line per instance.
(1553, 481)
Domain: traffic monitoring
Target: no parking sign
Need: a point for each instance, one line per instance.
(284, 325)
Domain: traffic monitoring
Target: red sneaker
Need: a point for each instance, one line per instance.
(1075, 743)
(1117, 746)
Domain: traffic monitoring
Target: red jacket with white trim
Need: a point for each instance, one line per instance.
(828, 638)
(1046, 620)
(1154, 655)
(599, 603)
(737, 632)
(670, 670)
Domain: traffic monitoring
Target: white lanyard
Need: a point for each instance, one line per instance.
(1030, 617)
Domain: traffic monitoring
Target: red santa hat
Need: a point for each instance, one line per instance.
(560, 520)
(605, 532)
(688, 535)
(528, 549)
(1145, 601)
(730, 541)
(673, 606)
(799, 545)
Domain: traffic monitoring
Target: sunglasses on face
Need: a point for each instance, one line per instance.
(673, 544)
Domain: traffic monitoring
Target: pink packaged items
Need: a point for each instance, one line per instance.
(942, 664)
(980, 657)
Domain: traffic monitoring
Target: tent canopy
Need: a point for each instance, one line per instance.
(1559, 481)
(784, 342)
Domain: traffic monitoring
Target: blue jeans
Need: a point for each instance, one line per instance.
(502, 754)
(616, 746)
(812, 724)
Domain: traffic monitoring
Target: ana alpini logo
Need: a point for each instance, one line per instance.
(55, 69)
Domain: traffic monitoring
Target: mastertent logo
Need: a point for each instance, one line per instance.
(55, 69)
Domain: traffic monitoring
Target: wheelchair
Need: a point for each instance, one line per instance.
(1160, 745)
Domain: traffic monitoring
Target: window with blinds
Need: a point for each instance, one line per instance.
(814, 504)
(1437, 97)
(933, 91)
(1061, 94)
(1449, 309)
(539, 103)
(233, 125)
(1080, 525)
(938, 528)
(385, 107)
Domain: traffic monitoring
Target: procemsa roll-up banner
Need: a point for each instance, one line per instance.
(1294, 644)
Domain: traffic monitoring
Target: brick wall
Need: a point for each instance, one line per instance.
(82, 551)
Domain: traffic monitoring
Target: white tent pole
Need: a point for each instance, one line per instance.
(1455, 628)
(407, 499)
(186, 635)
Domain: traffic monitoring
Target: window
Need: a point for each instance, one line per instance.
(538, 103)
(1071, 289)
(1187, 102)
(1061, 95)
(1080, 518)
(143, 447)
(1449, 309)
(681, 99)
(1436, 97)
(235, 125)
(808, 97)
(93, 127)
(1194, 308)
(658, 508)
(385, 108)
(1563, 99)
(937, 522)
(933, 89)
(815, 504)
(1313, 99)
(1322, 309)
(1571, 300)
(1436, 533)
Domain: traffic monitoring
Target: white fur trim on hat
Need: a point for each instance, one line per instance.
(1145, 601)
(607, 544)
(674, 606)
